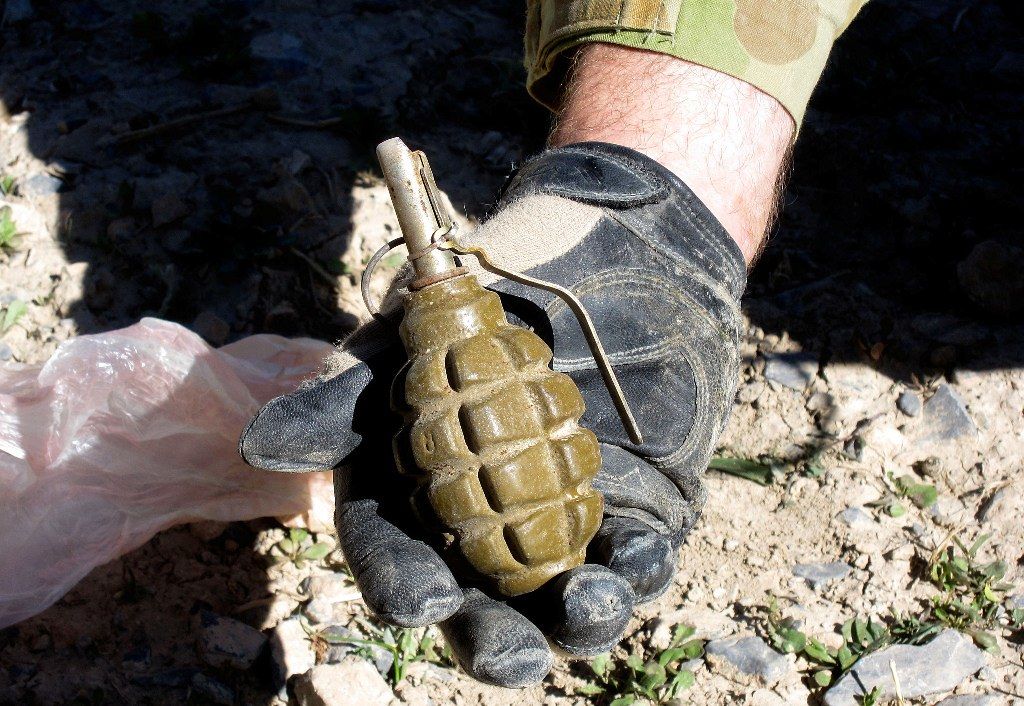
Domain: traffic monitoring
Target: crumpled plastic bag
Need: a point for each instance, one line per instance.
(123, 434)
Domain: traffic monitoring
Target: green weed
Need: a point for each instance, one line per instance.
(7, 185)
(659, 678)
(406, 645)
(299, 548)
(9, 233)
(10, 314)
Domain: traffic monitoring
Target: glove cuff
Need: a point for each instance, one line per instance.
(633, 185)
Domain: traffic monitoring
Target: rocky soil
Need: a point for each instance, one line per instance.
(211, 163)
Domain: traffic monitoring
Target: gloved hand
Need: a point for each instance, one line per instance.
(661, 279)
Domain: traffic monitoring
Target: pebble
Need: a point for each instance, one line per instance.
(18, 11)
(167, 209)
(992, 278)
(225, 642)
(855, 516)
(41, 185)
(909, 403)
(794, 370)
(211, 327)
(970, 700)
(5, 351)
(821, 574)
(351, 682)
(282, 52)
(946, 416)
(382, 658)
(747, 659)
(290, 651)
(213, 690)
(941, 665)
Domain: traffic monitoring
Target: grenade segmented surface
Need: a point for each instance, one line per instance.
(492, 437)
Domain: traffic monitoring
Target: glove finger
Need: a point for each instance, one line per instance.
(583, 611)
(402, 579)
(646, 559)
(646, 518)
(495, 643)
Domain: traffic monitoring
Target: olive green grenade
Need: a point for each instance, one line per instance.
(491, 433)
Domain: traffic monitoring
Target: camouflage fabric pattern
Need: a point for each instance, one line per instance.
(779, 46)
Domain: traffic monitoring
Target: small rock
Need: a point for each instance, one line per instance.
(290, 650)
(282, 319)
(747, 659)
(351, 682)
(822, 574)
(991, 277)
(794, 370)
(121, 230)
(18, 10)
(225, 642)
(281, 52)
(167, 209)
(819, 402)
(941, 665)
(297, 162)
(750, 392)
(137, 658)
(213, 690)
(41, 184)
(5, 352)
(969, 700)
(909, 403)
(946, 416)
(709, 625)
(382, 658)
(211, 327)
(855, 516)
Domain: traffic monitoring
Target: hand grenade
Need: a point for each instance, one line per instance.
(491, 433)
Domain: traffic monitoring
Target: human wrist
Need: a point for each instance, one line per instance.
(724, 138)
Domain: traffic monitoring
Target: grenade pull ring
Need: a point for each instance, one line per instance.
(428, 233)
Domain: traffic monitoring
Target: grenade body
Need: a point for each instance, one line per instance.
(492, 438)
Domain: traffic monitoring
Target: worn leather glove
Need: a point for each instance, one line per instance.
(661, 279)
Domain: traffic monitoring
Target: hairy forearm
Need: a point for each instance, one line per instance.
(728, 141)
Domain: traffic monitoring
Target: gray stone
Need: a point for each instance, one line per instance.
(970, 700)
(991, 277)
(794, 370)
(5, 352)
(821, 574)
(747, 659)
(946, 416)
(351, 682)
(18, 10)
(213, 690)
(290, 650)
(211, 327)
(167, 209)
(41, 185)
(941, 665)
(281, 52)
(225, 642)
(855, 516)
(382, 658)
(909, 403)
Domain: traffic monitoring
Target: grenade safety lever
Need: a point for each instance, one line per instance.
(491, 434)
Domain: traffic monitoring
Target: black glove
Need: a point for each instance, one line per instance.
(661, 278)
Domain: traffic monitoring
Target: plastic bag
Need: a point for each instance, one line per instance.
(123, 434)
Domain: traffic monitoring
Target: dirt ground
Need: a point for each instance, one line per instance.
(894, 268)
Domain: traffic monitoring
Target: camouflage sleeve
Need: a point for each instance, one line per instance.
(779, 46)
